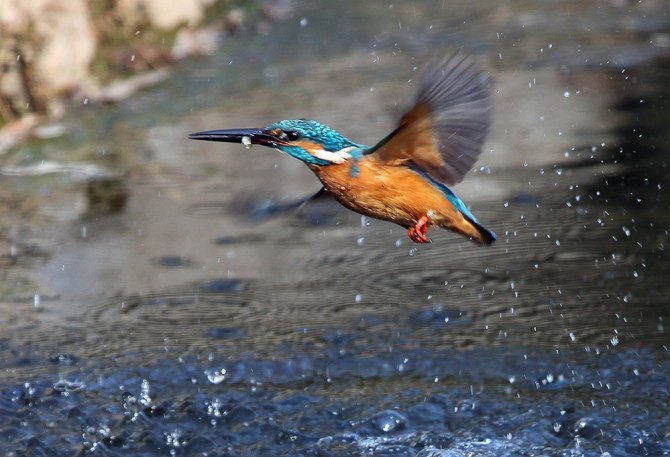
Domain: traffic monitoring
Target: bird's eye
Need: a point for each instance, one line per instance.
(293, 136)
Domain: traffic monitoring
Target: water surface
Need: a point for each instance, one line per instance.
(179, 307)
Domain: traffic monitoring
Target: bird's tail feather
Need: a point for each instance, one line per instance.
(485, 236)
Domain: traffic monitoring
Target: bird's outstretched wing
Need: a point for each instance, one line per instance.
(445, 130)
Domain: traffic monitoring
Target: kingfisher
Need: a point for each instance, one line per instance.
(404, 178)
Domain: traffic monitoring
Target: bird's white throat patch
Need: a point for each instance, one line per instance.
(340, 156)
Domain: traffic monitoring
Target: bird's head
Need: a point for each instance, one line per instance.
(309, 141)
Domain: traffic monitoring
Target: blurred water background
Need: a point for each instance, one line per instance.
(161, 297)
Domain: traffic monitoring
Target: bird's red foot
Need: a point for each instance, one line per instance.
(418, 232)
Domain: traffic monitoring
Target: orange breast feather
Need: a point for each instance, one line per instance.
(392, 193)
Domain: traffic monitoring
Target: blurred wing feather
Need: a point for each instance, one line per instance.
(444, 132)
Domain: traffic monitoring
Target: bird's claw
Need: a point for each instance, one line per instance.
(418, 232)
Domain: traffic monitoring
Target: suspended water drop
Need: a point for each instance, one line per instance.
(215, 408)
(216, 376)
(145, 391)
(389, 421)
(175, 439)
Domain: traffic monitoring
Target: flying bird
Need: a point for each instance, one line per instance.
(403, 178)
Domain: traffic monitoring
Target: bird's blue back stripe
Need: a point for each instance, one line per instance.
(451, 196)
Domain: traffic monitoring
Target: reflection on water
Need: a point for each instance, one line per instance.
(209, 316)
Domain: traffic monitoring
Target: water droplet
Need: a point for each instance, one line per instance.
(389, 421)
(216, 376)
(358, 298)
(215, 408)
(66, 387)
(566, 94)
(626, 231)
(145, 391)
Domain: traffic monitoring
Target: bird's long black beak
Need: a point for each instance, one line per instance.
(244, 136)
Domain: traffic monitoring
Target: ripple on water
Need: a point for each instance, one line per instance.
(171, 261)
